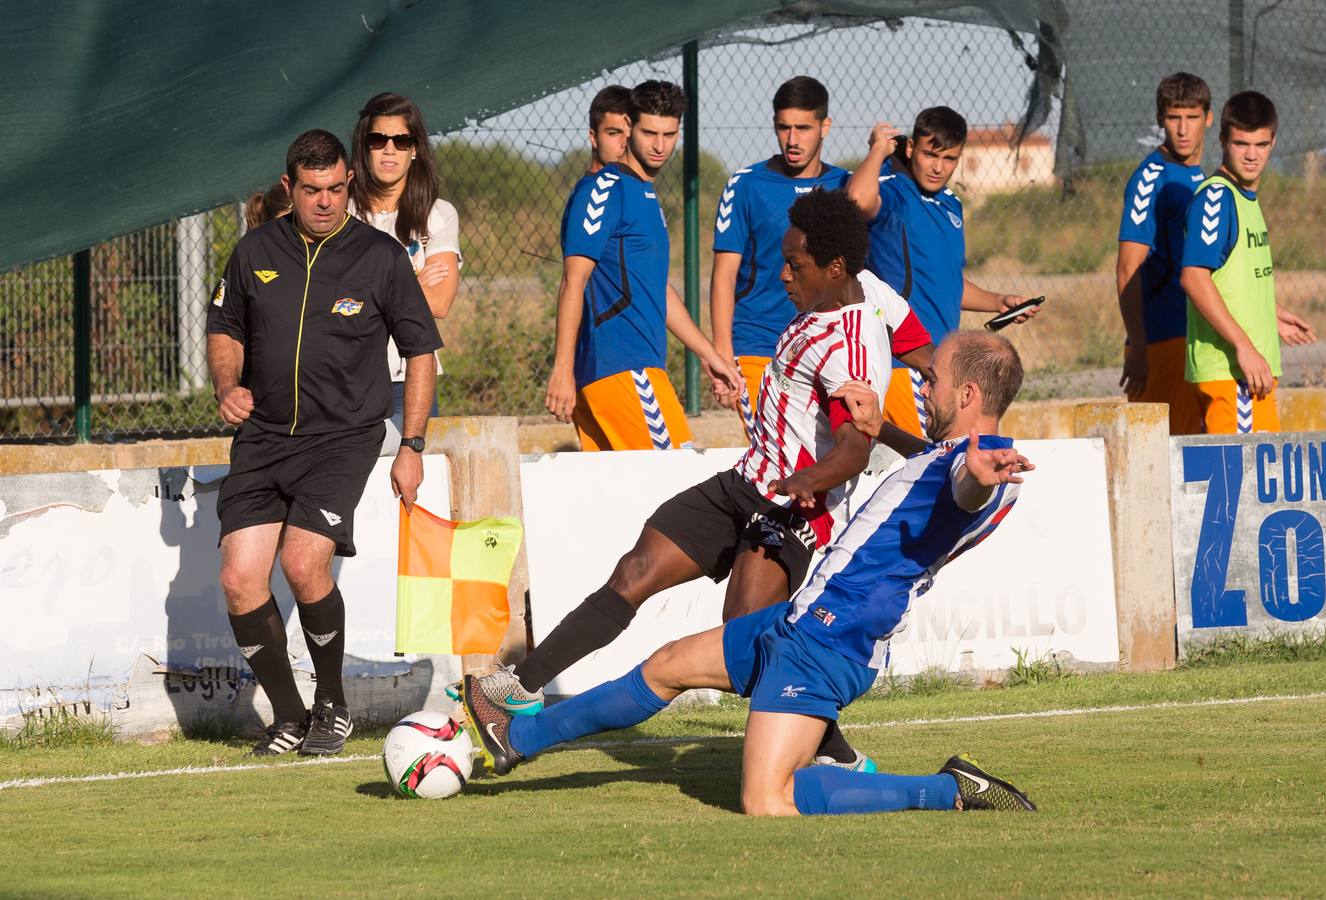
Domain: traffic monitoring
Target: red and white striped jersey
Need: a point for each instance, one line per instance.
(816, 354)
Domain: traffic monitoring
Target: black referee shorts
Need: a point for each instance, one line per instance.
(719, 518)
(310, 481)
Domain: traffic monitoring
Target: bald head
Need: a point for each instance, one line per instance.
(989, 361)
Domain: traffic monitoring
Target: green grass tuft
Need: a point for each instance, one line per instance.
(58, 731)
(1237, 649)
(1034, 670)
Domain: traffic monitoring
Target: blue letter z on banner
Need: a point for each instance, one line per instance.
(1221, 466)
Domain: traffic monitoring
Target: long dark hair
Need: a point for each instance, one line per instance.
(420, 179)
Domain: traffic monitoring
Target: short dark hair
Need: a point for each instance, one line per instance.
(612, 99)
(992, 363)
(834, 226)
(802, 92)
(314, 149)
(657, 98)
(945, 126)
(1248, 111)
(1181, 90)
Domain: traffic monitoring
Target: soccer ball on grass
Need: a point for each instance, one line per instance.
(428, 755)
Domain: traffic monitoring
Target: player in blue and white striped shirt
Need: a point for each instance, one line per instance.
(802, 661)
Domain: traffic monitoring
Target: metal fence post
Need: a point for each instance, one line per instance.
(192, 242)
(83, 345)
(690, 68)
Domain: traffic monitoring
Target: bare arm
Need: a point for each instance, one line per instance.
(407, 472)
(1205, 296)
(977, 299)
(225, 362)
(983, 471)
(1128, 279)
(722, 371)
(723, 299)
(868, 418)
(863, 186)
(560, 398)
(920, 360)
(845, 460)
(440, 280)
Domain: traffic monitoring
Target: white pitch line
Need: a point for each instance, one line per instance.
(182, 770)
(690, 739)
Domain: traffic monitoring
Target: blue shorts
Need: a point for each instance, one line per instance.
(782, 670)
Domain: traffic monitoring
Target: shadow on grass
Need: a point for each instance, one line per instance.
(709, 772)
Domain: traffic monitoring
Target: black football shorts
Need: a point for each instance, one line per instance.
(721, 517)
(310, 481)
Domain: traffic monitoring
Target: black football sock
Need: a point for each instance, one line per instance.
(591, 625)
(260, 636)
(324, 632)
(835, 745)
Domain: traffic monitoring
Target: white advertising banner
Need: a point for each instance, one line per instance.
(98, 569)
(1043, 582)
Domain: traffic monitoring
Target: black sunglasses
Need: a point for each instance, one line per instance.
(377, 140)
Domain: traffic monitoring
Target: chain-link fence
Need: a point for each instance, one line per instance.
(509, 177)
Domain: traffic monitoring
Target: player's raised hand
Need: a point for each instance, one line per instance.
(1256, 371)
(796, 487)
(863, 405)
(561, 396)
(994, 467)
(883, 135)
(235, 405)
(435, 271)
(1294, 330)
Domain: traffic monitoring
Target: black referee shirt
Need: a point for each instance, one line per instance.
(314, 319)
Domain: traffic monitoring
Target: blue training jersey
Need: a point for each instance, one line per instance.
(751, 220)
(918, 248)
(1213, 226)
(887, 556)
(1155, 210)
(614, 218)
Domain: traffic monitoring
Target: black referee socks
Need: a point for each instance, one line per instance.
(260, 636)
(590, 626)
(324, 632)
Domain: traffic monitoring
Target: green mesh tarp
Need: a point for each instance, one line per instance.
(123, 114)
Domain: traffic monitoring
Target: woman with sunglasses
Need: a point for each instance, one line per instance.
(394, 189)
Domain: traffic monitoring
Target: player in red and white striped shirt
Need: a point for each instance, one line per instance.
(804, 445)
(797, 421)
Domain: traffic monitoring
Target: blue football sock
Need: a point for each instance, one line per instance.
(829, 791)
(615, 704)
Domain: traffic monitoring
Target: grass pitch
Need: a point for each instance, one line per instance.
(1137, 798)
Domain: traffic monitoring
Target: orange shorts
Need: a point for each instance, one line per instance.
(903, 405)
(752, 371)
(1228, 408)
(633, 410)
(1165, 361)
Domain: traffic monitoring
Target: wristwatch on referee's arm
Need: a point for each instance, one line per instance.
(415, 443)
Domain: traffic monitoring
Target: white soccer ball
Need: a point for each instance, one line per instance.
(428, 755)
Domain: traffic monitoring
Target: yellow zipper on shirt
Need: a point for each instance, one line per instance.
(309, 260)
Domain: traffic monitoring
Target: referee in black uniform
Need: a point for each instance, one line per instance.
(296, 345)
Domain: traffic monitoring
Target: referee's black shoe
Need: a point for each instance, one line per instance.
(978, 789)
(329, 726)
(280, 737)
(490, 727)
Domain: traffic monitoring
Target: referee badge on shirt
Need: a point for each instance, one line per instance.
(219, 295)
(347, 306)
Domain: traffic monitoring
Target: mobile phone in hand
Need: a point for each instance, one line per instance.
(1005, 318)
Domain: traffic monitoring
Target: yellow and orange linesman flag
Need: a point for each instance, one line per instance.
(451, 581)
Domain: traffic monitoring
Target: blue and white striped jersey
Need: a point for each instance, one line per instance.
(887, 556)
